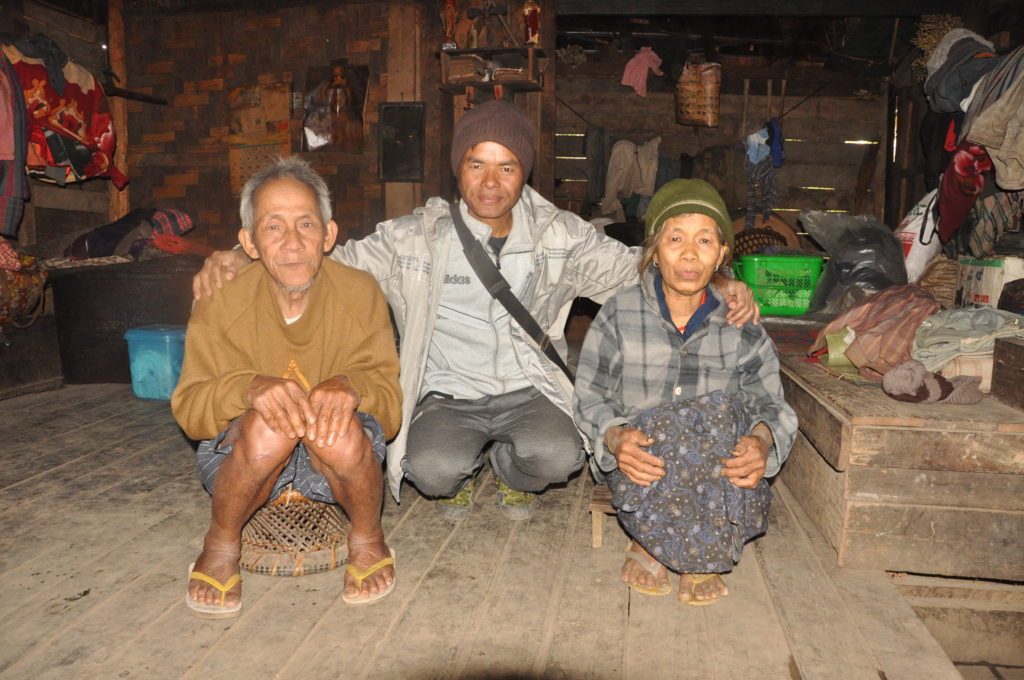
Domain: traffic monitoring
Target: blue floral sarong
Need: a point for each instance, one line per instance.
(693, 520)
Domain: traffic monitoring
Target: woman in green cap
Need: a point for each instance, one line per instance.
(686, 412)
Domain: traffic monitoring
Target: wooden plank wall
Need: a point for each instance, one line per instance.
(821, 170)
(178, 154)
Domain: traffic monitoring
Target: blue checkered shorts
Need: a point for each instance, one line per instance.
(298, 472)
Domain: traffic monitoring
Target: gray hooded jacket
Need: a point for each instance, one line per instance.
(407, 255)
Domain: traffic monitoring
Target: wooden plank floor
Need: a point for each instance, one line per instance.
(101, 512)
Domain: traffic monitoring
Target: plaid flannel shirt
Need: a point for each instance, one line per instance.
(634, 359)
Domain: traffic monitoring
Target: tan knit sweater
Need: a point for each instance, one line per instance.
(239, 333)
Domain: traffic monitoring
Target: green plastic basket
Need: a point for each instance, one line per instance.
(782, 284)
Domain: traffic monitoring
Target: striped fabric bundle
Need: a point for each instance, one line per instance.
(992, 217)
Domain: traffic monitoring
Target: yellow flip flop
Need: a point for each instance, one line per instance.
(651, 569)
(213, 611)
(696, 580)
(362, 574)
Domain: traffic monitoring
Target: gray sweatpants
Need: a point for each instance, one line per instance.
(535, 443)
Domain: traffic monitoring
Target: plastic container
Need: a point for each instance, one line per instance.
(782, 284)
(155, 353)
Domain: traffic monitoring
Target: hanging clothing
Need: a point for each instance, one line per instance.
(46, 51)
(941, 51)
(774, 129)
(962, 182)
(632, 170)
(994, 120)
(635, 74)
(757, 146)
(70, 131)
(14, 189)
(968, 60)
(938, 134)
(760, 175)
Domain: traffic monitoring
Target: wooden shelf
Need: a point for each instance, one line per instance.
(535, 64)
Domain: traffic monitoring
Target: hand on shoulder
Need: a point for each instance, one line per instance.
(220, 267)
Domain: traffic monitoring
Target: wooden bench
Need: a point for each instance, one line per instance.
(600, 505)
(923, 488)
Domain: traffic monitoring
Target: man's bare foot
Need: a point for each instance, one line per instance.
(701, 588)
(219, 565)
(643, 573)
(363, 554)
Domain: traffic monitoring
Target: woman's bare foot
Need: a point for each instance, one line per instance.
(643, 573)
(701, 588)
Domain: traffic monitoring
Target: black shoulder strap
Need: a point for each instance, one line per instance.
(501, 291)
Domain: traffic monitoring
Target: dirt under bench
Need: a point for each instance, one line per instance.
(924, 488)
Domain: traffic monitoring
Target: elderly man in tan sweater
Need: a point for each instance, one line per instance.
(290, 377)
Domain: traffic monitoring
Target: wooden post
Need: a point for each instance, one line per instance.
(544, 163)
(119, 203)
(403, 84)
(13, 14)
(746, 95)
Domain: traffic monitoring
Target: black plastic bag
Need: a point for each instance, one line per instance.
(865, 257)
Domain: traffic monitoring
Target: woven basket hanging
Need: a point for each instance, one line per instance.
(293, 536)
(697, 94)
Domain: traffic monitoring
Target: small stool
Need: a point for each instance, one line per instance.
(600, 505)
(293, 535)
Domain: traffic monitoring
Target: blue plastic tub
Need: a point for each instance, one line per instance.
(155, 353)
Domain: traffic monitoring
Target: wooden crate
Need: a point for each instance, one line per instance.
(1008, 371)
(924, 488)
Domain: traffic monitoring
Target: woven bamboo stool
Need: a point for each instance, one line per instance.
(600, 505)
(293, 535)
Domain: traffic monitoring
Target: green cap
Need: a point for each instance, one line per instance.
(683, 196)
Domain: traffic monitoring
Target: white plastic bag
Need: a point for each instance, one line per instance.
(919, 234)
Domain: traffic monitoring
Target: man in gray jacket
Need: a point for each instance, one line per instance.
(470, 375)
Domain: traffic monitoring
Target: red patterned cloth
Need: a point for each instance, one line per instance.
(21, 290)
(961, 183)
(9, 258)
(70, 133)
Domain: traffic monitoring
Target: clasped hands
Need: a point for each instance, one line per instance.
(322, 416)
(745, 469)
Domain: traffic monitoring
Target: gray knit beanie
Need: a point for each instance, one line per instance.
(495, 121)
(910, 381)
